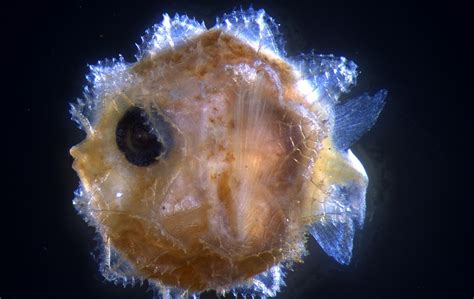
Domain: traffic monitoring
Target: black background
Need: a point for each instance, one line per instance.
(418, 234)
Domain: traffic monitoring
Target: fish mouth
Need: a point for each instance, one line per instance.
(88, 163)
(79, 165)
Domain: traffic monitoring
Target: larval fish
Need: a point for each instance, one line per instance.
(211, 159)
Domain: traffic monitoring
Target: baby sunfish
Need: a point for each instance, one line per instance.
(209, 160)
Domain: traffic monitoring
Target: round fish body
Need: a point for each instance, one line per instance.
(209, 160)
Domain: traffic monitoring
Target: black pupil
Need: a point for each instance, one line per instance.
(135, 139)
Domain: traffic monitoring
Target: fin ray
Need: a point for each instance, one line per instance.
(355, 117)
(342, 213)
(335, 238)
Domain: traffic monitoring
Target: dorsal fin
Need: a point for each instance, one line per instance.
(355, 117)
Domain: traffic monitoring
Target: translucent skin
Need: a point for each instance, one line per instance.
(250, 164)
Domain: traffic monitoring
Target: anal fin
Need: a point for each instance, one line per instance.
(342, 212)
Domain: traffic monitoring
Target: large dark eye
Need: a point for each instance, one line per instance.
(135, 139)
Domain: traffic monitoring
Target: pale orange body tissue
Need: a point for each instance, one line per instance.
(208, 161)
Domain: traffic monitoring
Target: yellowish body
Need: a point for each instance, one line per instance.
(249, 166)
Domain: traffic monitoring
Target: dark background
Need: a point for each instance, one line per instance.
(418, 235)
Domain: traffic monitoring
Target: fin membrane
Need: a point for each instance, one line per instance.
(335, 238)
(341, 214)
(355, 117)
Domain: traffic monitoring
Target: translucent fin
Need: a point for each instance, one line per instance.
(264, 285)
(341, 213)
(355, 117)
(335, 238)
